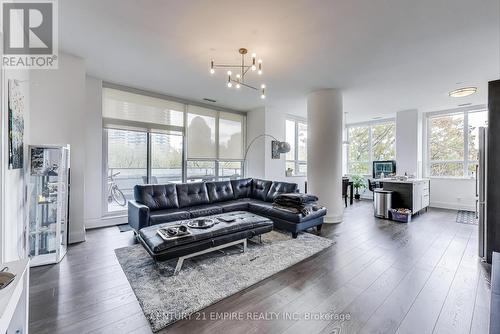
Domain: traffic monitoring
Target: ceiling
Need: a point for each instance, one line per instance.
(386, 55)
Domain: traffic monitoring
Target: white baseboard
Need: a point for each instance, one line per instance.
(453, 206)
(333, 219)
(105, 222)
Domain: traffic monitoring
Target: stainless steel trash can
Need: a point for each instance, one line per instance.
(382, 202)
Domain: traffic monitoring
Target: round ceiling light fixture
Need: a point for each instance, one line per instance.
(463, 92)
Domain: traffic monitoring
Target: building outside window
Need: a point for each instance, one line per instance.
(296, 136)
(453, 143)
(146, 142)
(370, 142)
(215, 144)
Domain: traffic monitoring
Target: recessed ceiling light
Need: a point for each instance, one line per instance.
(462, 92)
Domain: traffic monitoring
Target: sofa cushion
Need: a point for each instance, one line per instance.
(165, 216)
(296, 217)
(204, 210)
(242, 188)
(260, 208)
(235, 205)
(191, 194)
(260, 188)
(278, 188)
(157, 196)
(220, 191)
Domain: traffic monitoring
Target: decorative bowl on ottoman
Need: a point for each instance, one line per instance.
(201, 223)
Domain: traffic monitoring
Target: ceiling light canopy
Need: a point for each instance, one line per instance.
(240, 72)
(463, 92)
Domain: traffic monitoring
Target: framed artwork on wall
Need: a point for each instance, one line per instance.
(15, 105)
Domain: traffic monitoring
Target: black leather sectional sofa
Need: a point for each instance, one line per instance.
(162, 203)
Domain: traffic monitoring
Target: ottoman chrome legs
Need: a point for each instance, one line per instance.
(181, 259)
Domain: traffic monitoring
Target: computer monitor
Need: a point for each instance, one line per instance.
(387, 167)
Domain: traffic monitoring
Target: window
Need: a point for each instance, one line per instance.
(296, 136)
(359, 150)
(370, 142)
(127, 166)
(215, 145)
(166, 157)
(144, 142)
(453, 143)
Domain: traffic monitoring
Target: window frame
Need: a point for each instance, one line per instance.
(465, 161)
(296, 162)
(368, 125)
(150, 128)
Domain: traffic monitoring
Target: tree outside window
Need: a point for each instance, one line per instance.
(368, 143)
(453, 143)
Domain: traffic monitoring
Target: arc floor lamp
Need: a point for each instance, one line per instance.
(277, 147)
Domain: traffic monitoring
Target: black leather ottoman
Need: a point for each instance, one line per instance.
(200, 241)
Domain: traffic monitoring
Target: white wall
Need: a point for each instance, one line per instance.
(458, 194)
(58, 117)
(13, 184)
(256, 124)
(93, 151)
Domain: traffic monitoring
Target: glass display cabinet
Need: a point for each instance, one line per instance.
(48, 189)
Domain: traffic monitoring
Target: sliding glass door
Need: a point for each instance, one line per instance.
(126, 166)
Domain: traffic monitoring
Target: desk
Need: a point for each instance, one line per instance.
(413, 194)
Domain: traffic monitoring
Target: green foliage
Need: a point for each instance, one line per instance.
(383, 146)
(446, 143)
(358, 182)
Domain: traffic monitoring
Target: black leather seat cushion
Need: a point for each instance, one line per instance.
(245, 221)
(260, 188)
(220, 191)
(191, 194)
(242, 188)
(204, 210)
(157, 196)
(235, 205)
(169, 215)
(260, 208)
(278, 188)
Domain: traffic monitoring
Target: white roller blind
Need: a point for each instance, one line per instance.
(120, 107)
(230, 136)
(201, 133)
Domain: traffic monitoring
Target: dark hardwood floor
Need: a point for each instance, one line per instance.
(421, 277)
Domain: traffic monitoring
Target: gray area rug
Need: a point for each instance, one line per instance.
(467, 217)
(208, 278)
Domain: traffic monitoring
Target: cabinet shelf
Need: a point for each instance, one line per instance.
(48, 203)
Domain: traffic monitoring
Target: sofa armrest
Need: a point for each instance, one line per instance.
(138, 215)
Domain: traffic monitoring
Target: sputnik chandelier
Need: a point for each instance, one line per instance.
(237, 76)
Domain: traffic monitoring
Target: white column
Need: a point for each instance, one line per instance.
(324, 150)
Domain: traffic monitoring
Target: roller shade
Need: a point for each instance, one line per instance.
(201, 131)
(120, 107)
